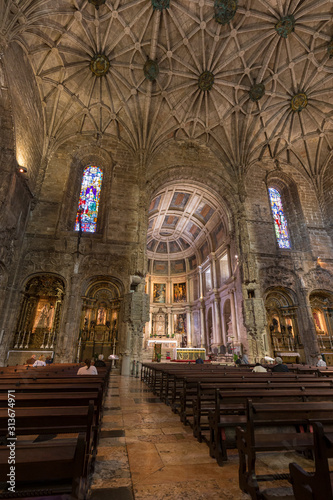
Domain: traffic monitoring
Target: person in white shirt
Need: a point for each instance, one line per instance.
(40, 361)
(89, 369)
(259, 368)
(321, 362)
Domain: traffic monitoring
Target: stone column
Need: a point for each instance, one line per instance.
(66, 346)
(217, 301)
(189, 326)
(136, 314)
(308, 331)
(233, 314)
(202, 323)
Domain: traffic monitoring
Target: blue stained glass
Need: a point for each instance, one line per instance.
(89, 199)
(280, 221)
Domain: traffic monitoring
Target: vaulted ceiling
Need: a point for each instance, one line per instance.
(201, 79)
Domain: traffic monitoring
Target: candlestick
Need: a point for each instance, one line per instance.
(28, 340)
(22, 341)
(17, 340)
(42, 346)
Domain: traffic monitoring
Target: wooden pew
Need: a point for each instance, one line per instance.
(54, 420)
(287, 419)
(61, 464)
(317, 485)
(229, 411)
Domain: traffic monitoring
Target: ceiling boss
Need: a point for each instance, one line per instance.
(99, 65)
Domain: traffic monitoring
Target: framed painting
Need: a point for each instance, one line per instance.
(159, 290)
(179, 292)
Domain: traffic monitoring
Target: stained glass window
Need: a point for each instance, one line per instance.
(280, 221)
(89, 199)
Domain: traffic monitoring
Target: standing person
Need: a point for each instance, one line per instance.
(89, 369)
(245, 359)
(321, 362)
(100, 361)
(40, 361)
(280, 366)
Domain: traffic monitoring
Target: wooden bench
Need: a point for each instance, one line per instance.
(229, 411)
(61, 464)
(54, 420)
(317, 485)
(275, 427)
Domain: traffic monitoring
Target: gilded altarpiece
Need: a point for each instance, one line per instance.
(39, 318)
(99, 322)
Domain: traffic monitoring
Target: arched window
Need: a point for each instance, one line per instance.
(89, 199)
(280, 221)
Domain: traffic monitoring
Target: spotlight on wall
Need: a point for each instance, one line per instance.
(22, 170)
(236, 256)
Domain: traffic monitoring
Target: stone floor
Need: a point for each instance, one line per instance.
(145, 453)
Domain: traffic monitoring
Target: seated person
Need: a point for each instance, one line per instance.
(88, 369)
(40, 361)
(259, 368)
(321, 362)
(280, 366)
(31, 360)
(199, 361)
(100, 361)
(48, 360)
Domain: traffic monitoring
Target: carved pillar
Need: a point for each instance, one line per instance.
(66, 347)
(308, 331)
(136, 314)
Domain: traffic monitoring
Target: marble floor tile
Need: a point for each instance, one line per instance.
(194, 490)
(184, 452)
(143, 457)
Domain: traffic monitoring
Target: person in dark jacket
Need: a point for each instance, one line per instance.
(199, 361)
(100, 361)
(280, 366)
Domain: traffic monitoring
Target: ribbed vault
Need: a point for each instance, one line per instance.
(178, 73)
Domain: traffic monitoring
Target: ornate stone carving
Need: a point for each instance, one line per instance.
(160, 4)
(285, 26)
(319, 279)
(225, 10)
(206, 81)
(257, 91)
(275, 276)
(151, 70)
(99, 65)
(299, 102)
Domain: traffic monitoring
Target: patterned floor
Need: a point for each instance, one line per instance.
(145, 453)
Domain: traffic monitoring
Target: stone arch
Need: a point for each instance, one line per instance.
(39, 312)
(283, 334)
(101, 327)
(219, 187)
(321, 302)
(318, 279)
